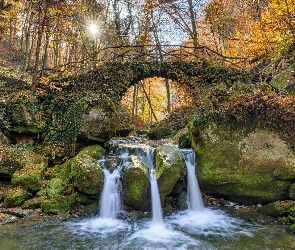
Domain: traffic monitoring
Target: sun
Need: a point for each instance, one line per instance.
(93, 29)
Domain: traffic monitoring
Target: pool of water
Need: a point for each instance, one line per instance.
(207, 229)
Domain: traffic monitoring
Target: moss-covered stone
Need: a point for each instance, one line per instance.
(15, 197)
(56, 186)
(292, 192)
(278, 208)
(30, 177)
(27, 115)
(32, 203)
(13, 159)
(86, 172)
(169, 168)
(4, 141)
(280, 80)
(136, 186)
(244, 164)
(57, 204)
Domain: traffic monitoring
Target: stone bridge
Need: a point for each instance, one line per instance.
(124, 66)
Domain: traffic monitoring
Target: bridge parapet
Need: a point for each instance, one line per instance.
(170, 53)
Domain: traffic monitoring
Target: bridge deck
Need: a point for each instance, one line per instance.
(170, 53)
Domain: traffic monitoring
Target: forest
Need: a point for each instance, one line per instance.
(41, 40)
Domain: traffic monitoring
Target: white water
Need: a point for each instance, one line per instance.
(194, 197)
(156, 202)
(110, 203)
(155, 196)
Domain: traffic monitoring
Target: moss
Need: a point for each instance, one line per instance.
(13, 159)
(235, 162)
(15, 197)
(292, 228)
(280, 80)
(30, 177)
(169, 168)
(95, 151)
(32, 203)
(292, 192)
(56, 186)
(86, 173)
(56, 204)
(278, 208)
(136, 187)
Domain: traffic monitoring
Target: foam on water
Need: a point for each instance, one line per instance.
(100, 225)
(209, 222)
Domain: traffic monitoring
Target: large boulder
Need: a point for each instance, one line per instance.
(86, 172)
(243, 163)
(169, 168)
(136, 185)
(136, 179)
(77, 181)
(30, 177)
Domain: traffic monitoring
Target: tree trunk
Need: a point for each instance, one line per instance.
(38, 46)
(193, 22)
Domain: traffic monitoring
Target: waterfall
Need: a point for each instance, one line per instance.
(194, 197)
(110, 201)
(156, 201)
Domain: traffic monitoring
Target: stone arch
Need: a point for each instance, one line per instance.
(119, 76)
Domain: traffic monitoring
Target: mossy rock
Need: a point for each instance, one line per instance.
(57, 204)
(292, 228)
(242, 163)
(13, 159)
(85, 170)
(32, 203)
(15, 197)
(169, 168)
(57, 186)
(30, 177)
(292, 192)
(136, 186)
(278, 208)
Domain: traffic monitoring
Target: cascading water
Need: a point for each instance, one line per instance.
(156, 201)
(110, 201)
(194, 197)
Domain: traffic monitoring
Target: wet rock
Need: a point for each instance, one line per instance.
(136, 186)
(169, 168)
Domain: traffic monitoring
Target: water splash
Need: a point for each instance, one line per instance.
(194, 197)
